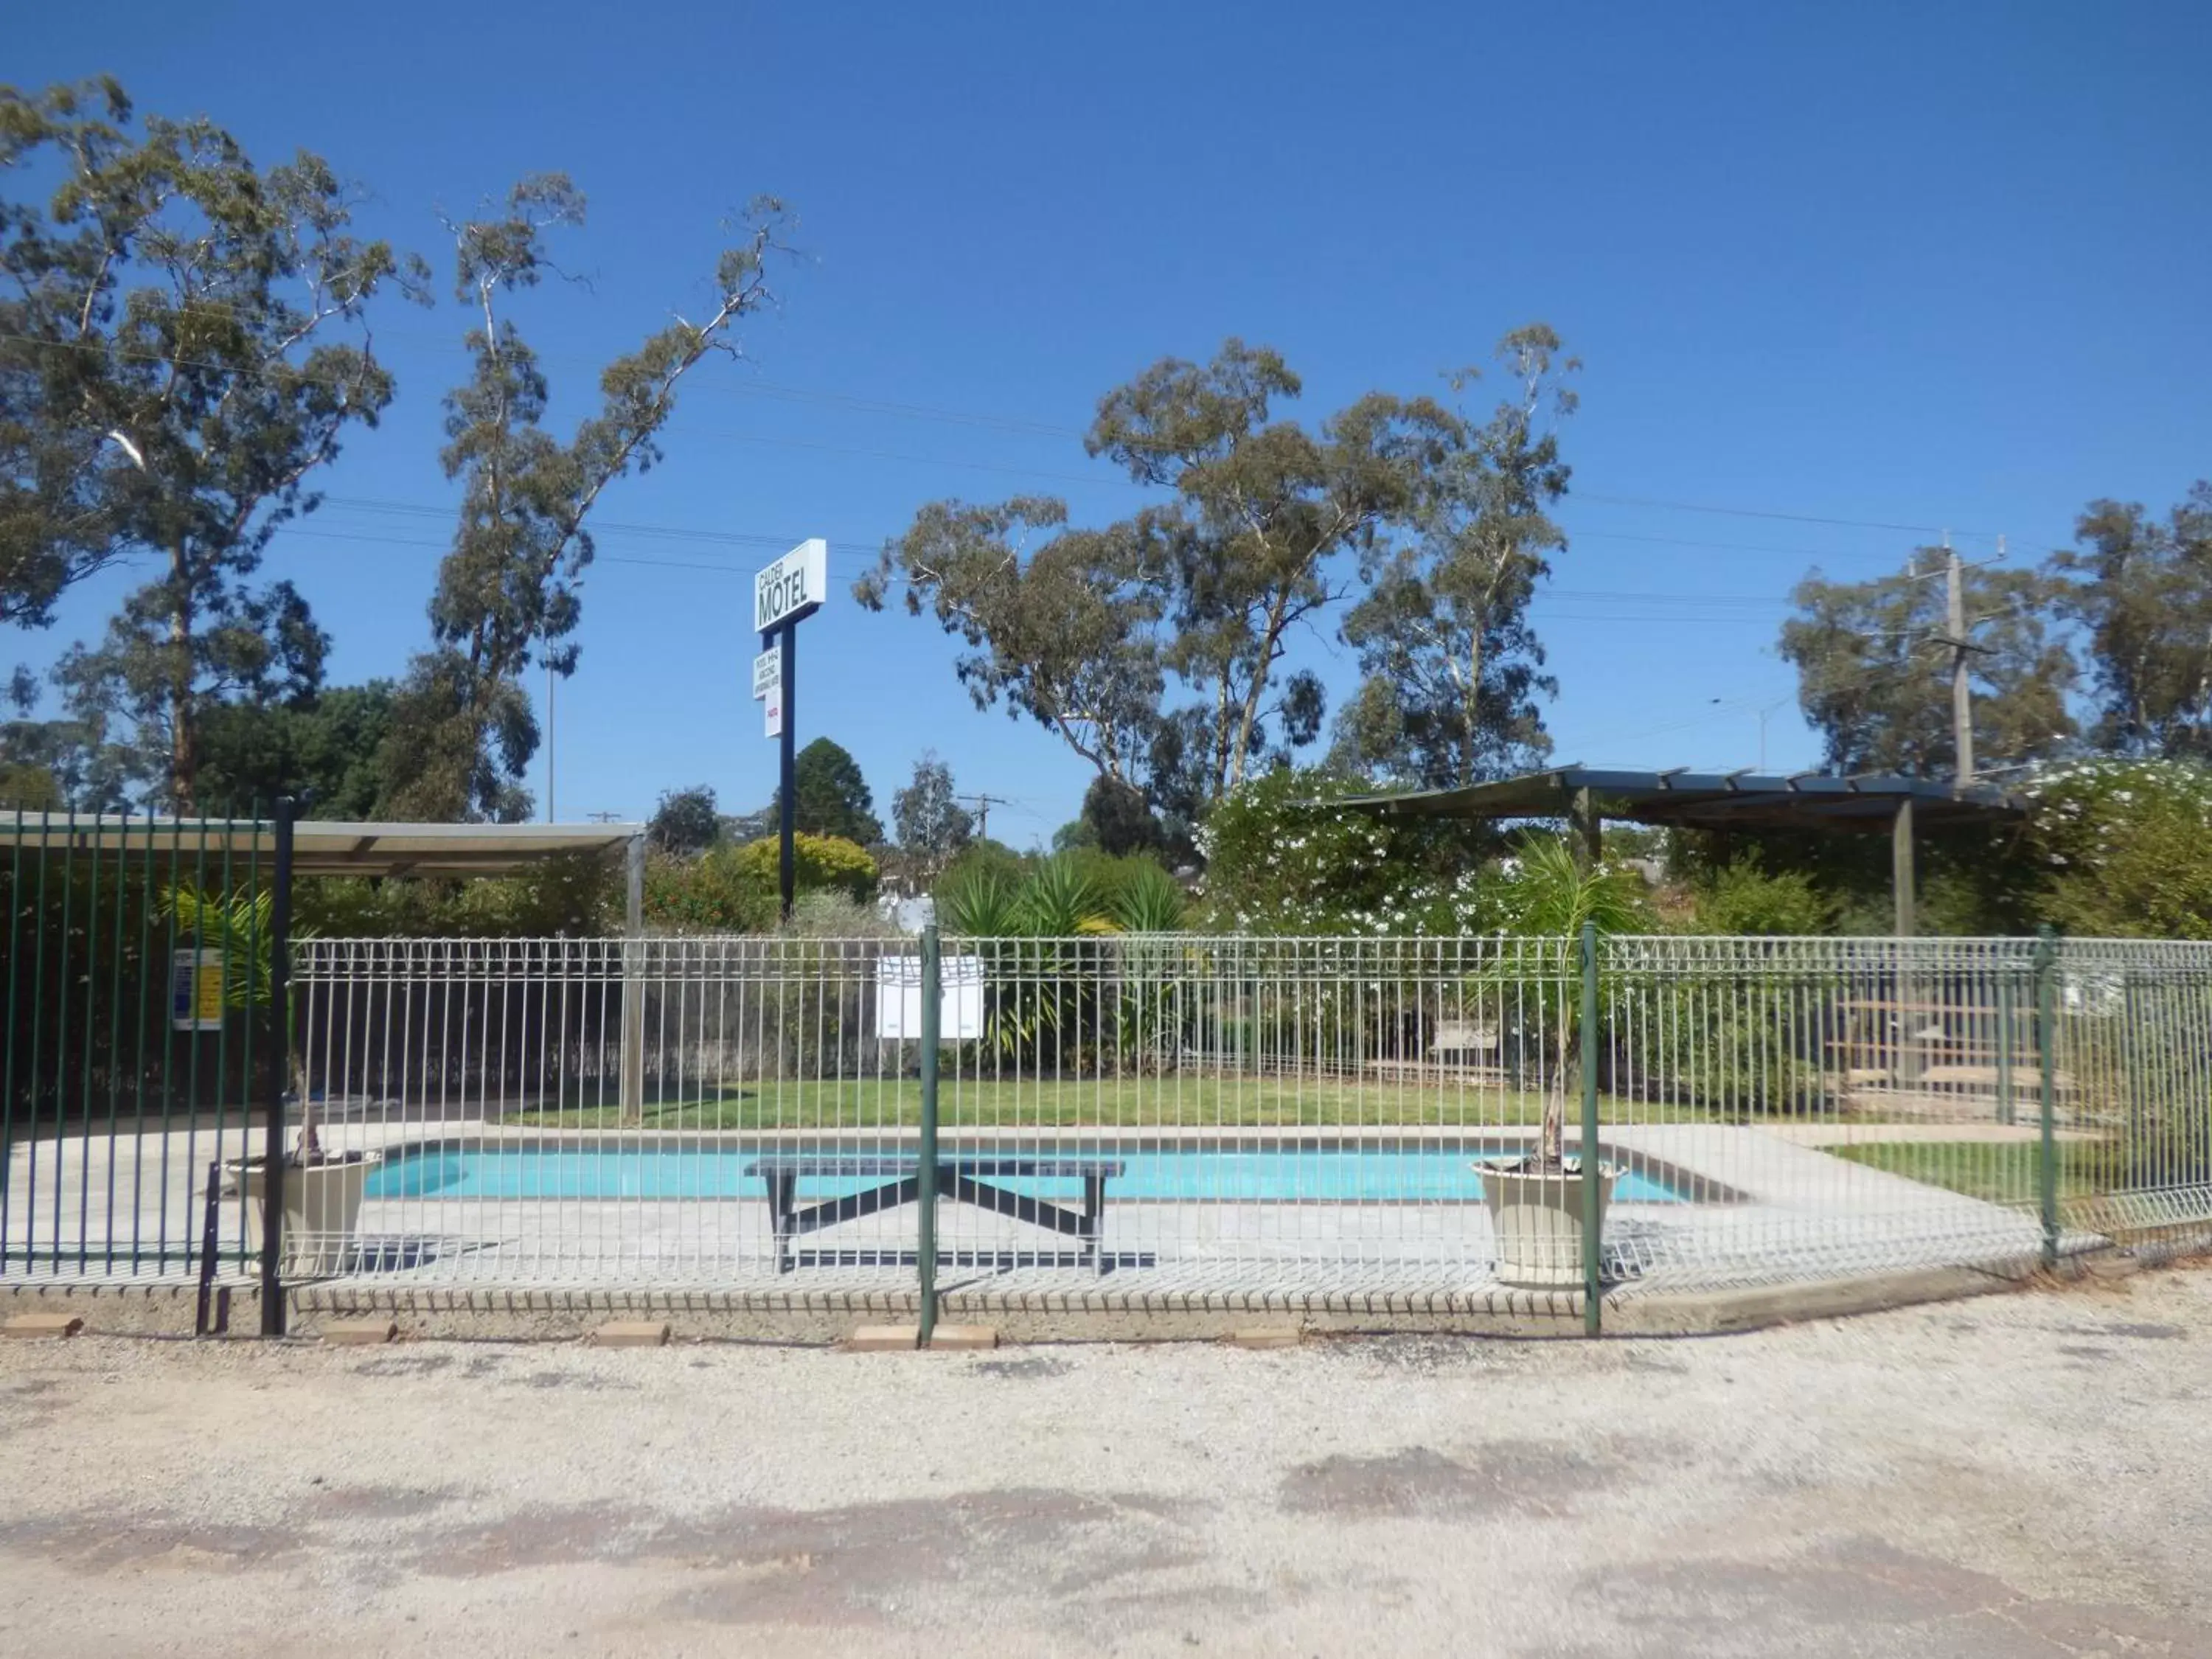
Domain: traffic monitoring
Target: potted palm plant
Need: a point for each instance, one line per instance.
(323, 1191)
(1536, 1201)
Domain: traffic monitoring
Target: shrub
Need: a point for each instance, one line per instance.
(2124, 847)
(818, 863)
(1280, 859)
(1743, 896)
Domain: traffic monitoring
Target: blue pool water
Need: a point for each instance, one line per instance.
(1323, 1174)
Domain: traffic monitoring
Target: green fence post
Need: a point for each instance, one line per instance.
(272, 1141)
(926, 1169)
(2046, 1052)
(1593, 1190)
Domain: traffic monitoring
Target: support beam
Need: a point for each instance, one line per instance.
(632, 1000)
(1588, 829)
(1910, 991)
(1902, 883)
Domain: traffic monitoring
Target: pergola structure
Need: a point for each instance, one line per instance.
(1684, 800)
(309, 847)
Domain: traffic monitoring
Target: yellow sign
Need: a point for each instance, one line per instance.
(196, 1002)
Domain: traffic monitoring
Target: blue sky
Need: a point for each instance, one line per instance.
(1896, 266)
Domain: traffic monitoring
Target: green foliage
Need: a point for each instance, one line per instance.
(1117, 819)
(1547, 894)
(2124, 847)
(985, 855)
(708, 894)
(1882, 700)
(1148, 901)
(322, 753)
(684, 821)
(1743, 896)
(2141, 590)
(831, 797)
(508, 593)
(566, 895)
(1064, 635)
(183, 341)
(1082, 630)
(1061, 899)
(1453, 668)
(818, 863)
(1067, 894)
(931, 824)
(982, 901)
(1281, 859)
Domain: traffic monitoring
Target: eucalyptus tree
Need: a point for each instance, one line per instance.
(2140, 587)
(183, 344)
(507, 591)
(1452, 668)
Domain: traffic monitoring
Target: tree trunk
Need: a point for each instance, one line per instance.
(1471, 720)
(184, 736)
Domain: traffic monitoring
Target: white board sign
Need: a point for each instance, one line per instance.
(898, 999)
(768, 671)
(792, 587)
(772, 705)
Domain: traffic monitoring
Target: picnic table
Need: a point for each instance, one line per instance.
(968, 1177)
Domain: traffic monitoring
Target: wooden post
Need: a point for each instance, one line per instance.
(1902, 881)
(1588, 831)
(633, 997)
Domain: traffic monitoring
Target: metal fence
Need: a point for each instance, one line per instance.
(134, 1053)
(1141, 1117)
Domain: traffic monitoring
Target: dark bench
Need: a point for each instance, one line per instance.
(965, 1177)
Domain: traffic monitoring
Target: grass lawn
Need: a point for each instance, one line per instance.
(1999, 1173)
(1135, 1104)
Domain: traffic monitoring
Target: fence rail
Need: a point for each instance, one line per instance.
(1153, 1115)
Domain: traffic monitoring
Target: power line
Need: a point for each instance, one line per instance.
(1788, 518)
(1038, 428)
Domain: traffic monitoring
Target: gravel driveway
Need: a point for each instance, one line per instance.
(2019, 1475)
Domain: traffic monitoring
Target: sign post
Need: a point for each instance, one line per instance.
(784, 594)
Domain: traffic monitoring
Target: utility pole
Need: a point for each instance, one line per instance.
(1962, 695)
(983, 805)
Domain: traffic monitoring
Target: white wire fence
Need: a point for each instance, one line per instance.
(1170, 1116)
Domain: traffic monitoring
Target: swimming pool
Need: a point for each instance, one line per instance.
(1384, 1172)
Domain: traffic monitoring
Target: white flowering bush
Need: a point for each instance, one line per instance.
(2123, 848)
(1281, 860)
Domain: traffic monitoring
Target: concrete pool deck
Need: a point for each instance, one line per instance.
(1795, 1214)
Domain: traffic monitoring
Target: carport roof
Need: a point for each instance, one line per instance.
(320, 848)
(1708, 800)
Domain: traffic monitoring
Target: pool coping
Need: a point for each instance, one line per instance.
(1684, 1184)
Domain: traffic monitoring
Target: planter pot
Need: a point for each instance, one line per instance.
(322, 1208)
(1537, 1220)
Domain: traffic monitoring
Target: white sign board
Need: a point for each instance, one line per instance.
(792, 587)
(768, 671)
(772, 704)
(898, 999)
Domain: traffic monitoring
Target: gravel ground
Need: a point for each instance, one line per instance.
(2019, 1475)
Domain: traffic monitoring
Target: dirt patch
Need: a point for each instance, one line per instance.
(1521, 1476)
(858, 1564)
(1863, 1584)
(576, 1382)
(1032, 1370)
(382, 1503)
(108, 1543)
(404, 1364)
